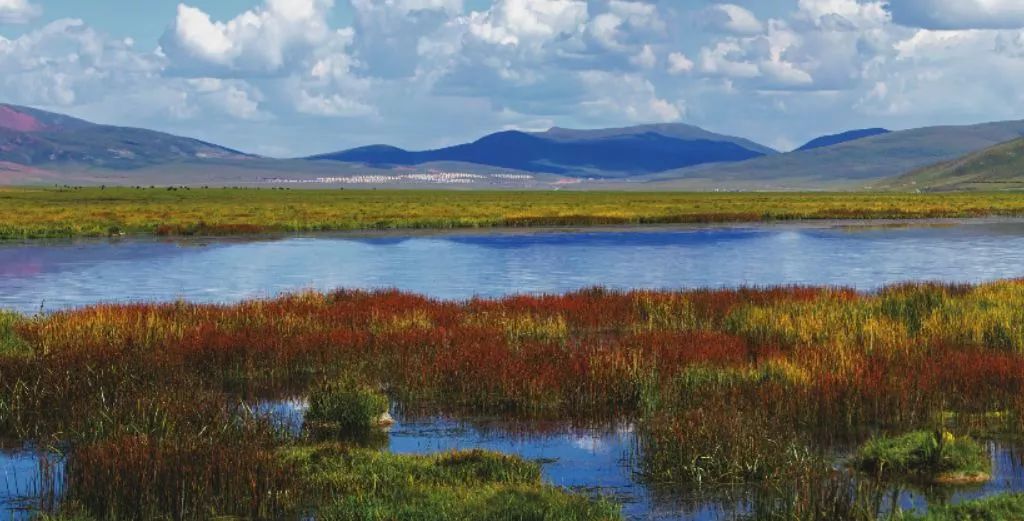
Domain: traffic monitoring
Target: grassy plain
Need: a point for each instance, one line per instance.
(96, 212)
(751, 388)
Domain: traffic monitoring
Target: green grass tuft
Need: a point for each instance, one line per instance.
(1002, 507)
(360, 484)
(10, 342)
(348, 406)
(929, 455)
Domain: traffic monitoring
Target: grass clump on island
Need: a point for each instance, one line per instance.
(471, 485)
(749, 389)
(937, 457)
(94, 212)
(1001, 507)
(348, 407)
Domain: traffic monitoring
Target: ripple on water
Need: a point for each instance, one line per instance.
(462, 264)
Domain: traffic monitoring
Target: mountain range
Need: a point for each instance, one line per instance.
(621, 152)
(43, 147)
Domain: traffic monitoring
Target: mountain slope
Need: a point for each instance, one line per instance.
(859, 163)
(996, 168)
(580, 153)
(844, 137)
(35, 138)
(670, 130)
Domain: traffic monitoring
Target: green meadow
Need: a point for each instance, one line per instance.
(100, 212)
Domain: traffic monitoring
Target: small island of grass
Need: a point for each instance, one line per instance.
(1002, 507)
(935, 457)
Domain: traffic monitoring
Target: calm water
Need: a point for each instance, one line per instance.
(460, 265)
(26, 477)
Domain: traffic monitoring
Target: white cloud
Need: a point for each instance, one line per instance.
(66, 62)
(514, 22)
(679, 63)
(645, 59)
(728, 59)
(18, 11)
(395, 34)
(959, 14)
(730, 18)
(627, 97)
(234, 98)
(840, 14)
(266, 40)
(335, 105)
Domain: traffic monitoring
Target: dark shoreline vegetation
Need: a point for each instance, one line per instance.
(30, 213)
(765, 391)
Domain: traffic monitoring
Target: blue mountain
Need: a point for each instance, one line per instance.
(619, 152)
(835, 139)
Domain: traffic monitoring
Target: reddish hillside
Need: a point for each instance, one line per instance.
(19, 121)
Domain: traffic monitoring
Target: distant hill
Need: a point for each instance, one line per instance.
(835, 139)
(852, 164)
(36, 138)
(607, 153)
(997, 168)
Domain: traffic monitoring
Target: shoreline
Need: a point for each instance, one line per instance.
(476, 231)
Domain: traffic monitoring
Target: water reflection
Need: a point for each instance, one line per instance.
(30, 482)
(463, 264)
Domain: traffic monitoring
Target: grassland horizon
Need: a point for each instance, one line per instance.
(31, 213)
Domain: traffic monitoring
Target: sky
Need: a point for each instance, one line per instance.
(289, 78)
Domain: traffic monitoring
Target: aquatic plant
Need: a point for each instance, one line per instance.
(10, 342)
(347, 405)
(1000, 507)
(182, 477)
(759, 386)
(473, 485)
(937, 456)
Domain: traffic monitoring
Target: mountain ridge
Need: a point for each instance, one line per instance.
(33, 137)
(859, 163)
(842, 137)
(999, 167)
(618, 152)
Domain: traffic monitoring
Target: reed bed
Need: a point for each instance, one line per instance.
(102, 212)
(754, 386)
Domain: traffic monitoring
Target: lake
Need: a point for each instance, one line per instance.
(459, 265)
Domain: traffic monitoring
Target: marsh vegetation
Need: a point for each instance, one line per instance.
(792, 402)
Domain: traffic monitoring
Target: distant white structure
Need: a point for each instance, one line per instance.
(432, 177)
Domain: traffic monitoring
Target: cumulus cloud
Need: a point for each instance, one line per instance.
(392, 32)
(961, 14)
(679, 63)
(18, 11)
(66, 62)
(627, 97)
(730, 18)
(613, 28)
(266, 40)
(528, 22)
(645, 59)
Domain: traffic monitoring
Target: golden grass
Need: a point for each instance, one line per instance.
(39, 212)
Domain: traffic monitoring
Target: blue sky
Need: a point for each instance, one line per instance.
(295, 77)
